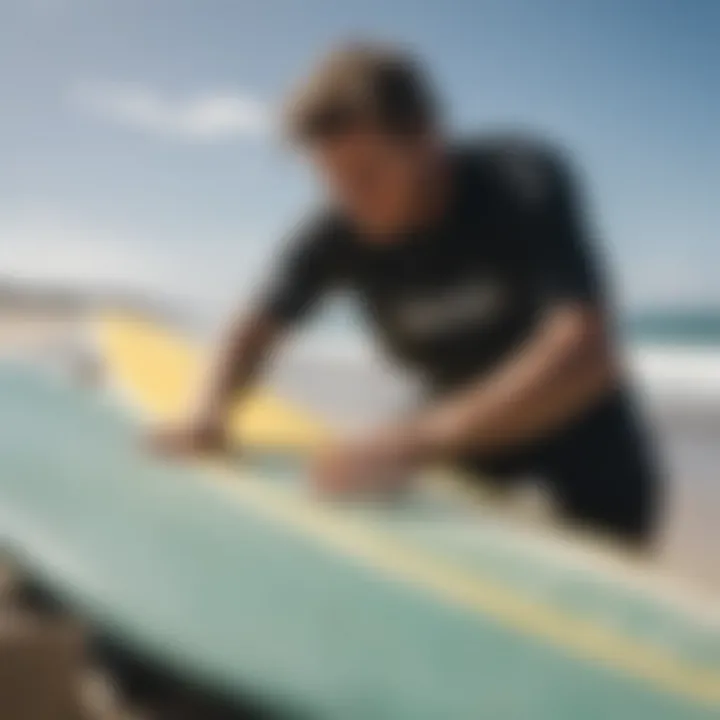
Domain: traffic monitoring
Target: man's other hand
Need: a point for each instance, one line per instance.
(379, 464)
(189, 439)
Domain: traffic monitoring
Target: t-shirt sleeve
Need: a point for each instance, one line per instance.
(556, 234)
(305, 268)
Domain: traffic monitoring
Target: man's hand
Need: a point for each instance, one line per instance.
(376, 464)
(238, 357)
(198, 437)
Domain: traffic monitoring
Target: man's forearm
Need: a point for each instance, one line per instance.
(234, 367)
(561, 371)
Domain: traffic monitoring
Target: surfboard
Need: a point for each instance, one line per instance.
(158, 370)
(238, 578)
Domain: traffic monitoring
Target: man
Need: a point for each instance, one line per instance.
(473, 264)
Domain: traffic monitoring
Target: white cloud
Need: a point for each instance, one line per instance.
(204, 116)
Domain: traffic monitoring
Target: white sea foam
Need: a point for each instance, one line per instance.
(690, 375)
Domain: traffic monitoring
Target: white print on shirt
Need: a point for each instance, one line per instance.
(465, 306)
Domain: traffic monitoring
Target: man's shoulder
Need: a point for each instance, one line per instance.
(523, 164)
(500, 149)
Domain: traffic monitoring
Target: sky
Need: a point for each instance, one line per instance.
(137, 141)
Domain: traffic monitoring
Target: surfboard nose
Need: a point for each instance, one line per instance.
(158, 370)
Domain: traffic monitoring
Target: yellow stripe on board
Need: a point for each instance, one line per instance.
(155, 363)
(456, 585)
(444, 580)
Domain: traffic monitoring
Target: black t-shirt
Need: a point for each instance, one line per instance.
(452, 301)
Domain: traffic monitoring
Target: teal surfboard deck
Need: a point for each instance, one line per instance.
(166, 558)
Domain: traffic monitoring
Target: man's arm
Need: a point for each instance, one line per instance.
(565, 367)
(567, 364)
(239, 356)
(301, 276)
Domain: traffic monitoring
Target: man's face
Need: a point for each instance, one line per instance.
(376, 179)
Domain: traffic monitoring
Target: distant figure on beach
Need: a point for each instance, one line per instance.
(474, 262)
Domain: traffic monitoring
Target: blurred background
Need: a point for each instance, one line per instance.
(139, 150)
(141, 167)
(141, 163)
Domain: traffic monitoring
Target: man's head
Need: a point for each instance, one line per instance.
(369, 122)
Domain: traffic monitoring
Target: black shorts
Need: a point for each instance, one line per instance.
(600, 472)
